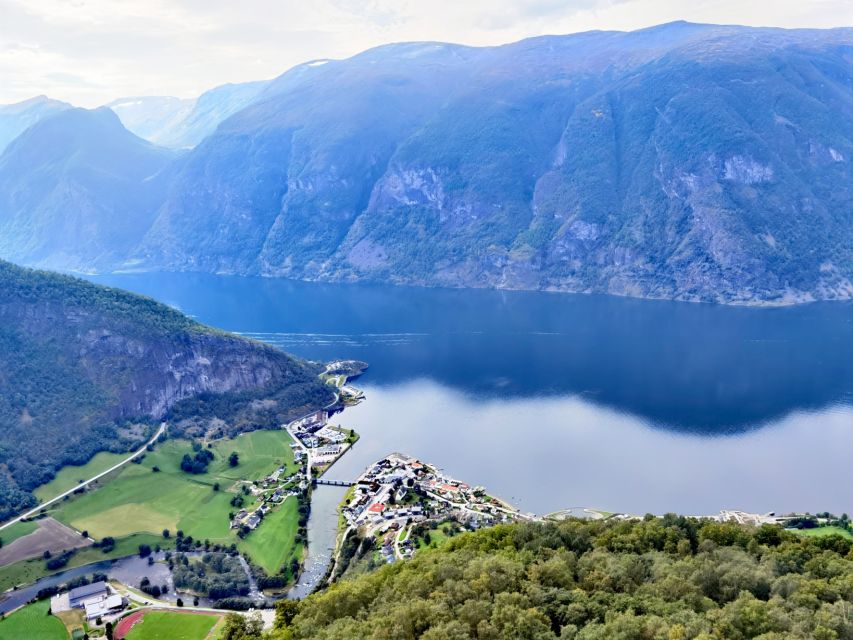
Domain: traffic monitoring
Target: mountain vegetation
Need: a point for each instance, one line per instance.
(85, 368)
(669, 578)
(683, 161)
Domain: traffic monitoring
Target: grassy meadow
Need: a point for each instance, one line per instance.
(272, 544)
(69, 477)
(824, 531)
(17, 530)
(33, 623)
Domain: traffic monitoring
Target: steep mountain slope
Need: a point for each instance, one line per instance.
(85, 368)
(77, 191)
(17, 118)
(183, 123)
(684, 161)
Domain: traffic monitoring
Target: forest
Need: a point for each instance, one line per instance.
(670, 578)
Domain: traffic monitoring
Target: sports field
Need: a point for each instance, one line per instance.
(33, 623)
(140, 500)
(159, 625)
(272, 544)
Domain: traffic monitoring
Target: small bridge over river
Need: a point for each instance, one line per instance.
(334, 483)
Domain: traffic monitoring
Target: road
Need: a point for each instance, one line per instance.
(43, 505)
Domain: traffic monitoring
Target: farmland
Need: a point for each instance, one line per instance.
(70, 476)
(273, 544)
(17, 530)
(33, 623)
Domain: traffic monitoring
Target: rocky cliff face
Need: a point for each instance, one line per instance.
(79, 364)
(684, 161)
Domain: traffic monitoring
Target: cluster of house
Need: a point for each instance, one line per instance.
(273, 489)
(384, 493)
(96, 600)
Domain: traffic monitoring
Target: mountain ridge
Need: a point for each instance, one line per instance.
(684, 161)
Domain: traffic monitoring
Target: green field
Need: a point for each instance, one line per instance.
(33, 623)
(824, 531)
(31, 570)
(272, 544)
(140, 500)
(159, 625)
(69, 477)
(17, 530)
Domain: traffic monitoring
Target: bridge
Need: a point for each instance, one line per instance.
(334, 483)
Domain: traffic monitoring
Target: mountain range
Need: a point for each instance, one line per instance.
(684, 161)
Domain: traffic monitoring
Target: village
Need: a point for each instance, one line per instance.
(399, 493)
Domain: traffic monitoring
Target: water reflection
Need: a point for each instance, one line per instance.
(545, 454)
(686, 367)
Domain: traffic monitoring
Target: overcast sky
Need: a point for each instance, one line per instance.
(89, 52)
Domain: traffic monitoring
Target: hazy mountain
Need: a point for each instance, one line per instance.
(81, 363)
(183, 123)
(151, 117)
(77, 191)
(685, 161)
(682, 161)
(17, 118)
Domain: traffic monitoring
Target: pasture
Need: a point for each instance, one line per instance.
(140, 500)
(33, 623)
(69, 477)
(273, 544)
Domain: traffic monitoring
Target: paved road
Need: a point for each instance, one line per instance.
(33, 512)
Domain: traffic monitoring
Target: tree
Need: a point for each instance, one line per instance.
(216, 486)
(234, 459)
(165, 533)
(144, 551)
(179, 602)
(108, 629)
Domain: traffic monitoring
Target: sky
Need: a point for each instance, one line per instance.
(89, 52)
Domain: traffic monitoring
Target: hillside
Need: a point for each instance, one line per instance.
(183, 123)
(85, 368)
(17, 118)
(670, 578)
(683, 161)
(77, 190)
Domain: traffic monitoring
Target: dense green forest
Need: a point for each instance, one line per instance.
(668, 578)
(86, 368)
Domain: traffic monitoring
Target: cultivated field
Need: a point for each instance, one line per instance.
(32, 623)
(49, 535)
(272, 544)
(69, 477)
(140, 500)
(158, 625)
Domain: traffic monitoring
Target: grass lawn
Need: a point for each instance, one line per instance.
(17, 530)
(33, 623)
(824, 531)
(138, 500)
(69, 477)
(31, 570)
(272, 544)
(158, 625)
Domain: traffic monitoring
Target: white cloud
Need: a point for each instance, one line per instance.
(92, 51)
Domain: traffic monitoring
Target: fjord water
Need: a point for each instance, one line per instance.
(556, 400)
